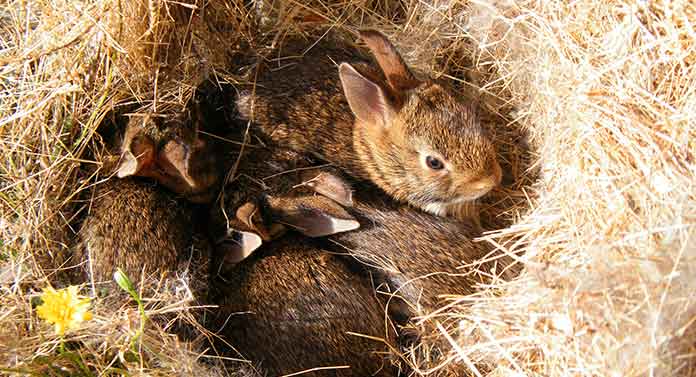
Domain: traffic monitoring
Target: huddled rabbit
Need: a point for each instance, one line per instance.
(407, 259)
(144, 220)
(415, 138)
(293, 305)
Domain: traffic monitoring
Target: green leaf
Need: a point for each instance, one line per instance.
(125, 283)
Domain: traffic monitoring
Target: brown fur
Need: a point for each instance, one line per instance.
(301, 104)
(138, 225)
(141, 228)
(291, 305)
(152, 236)
(417, 261)
(418, 254)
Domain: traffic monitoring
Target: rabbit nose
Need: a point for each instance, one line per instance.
(485, 184)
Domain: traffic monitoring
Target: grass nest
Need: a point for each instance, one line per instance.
(593, 107)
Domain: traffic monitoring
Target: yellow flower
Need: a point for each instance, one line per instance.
(64, 308)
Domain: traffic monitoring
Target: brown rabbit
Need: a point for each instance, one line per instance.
(152, 235)
(291, 305)
(413, 137)
(415, 259)
(419, 254)
(140, 227)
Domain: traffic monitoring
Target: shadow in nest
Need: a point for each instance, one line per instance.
(503, 205)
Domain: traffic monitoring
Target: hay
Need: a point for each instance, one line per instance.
(593, 106)
(66, 67)
(608, 245)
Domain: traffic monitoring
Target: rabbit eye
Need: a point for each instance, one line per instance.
(434, 163)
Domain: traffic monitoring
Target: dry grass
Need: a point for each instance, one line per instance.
(594, 106)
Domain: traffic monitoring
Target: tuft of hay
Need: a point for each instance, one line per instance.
(607, 94)
(593, 107)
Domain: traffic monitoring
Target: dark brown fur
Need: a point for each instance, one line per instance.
(301, 103)
(418, 262)
(152, 235)
(419, 255)
(292, 306)
(139, 227)
(147, 227)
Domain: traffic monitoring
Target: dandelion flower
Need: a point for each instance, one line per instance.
(64, 308)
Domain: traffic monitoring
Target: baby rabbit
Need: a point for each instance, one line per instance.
(293, 306)
(413, 137)
(140, 227)
(173, 148)
(415, 259)
(419, 254)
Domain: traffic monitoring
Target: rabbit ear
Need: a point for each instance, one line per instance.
(390, 61)
(251, 217)
(175, 160)
(246, 213)
(137, 154)
(331, 186)
(366, 99)
(238, 245)
(313, 216)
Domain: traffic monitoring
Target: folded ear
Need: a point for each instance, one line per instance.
(175, 159)
(367, 100)
(313, 216)
(137, 154)
(237, 245)
(251, 217)
(330, 185)
(398, 75)
(247, 213)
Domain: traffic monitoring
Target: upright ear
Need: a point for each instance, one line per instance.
(399, 77)
(366, 99)
(330, 185)
(248, 214)
(237, 245)
(313, 216)
(137, 152)
(175, 159)
(251, 217)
